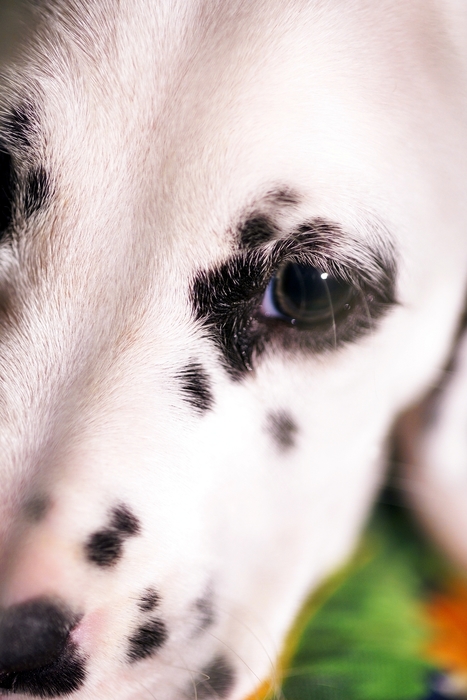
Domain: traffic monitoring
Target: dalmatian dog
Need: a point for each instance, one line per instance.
(233, 253)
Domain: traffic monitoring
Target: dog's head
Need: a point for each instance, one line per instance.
(231, 254)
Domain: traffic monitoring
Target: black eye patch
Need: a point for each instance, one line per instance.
(227, 299)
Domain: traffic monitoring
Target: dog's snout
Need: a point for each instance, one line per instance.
(32, 634)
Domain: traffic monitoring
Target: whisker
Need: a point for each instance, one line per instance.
(193, 675)
(274, 676)
(151, 694)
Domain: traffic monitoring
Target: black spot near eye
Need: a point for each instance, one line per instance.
(104, 548)
(7, 187)
(37, 191)
(216, 680)
(283, 429)
(256, 231)
(149, 600)
(197, 387)
(147, 640)
(284, 197)
(125, 522)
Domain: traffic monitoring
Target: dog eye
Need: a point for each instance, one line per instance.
(305, 296)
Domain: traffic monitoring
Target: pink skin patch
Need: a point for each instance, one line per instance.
(90, 628)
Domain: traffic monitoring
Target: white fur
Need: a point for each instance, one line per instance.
(162, 123)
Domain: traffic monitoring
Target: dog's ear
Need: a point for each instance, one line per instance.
(432, 445)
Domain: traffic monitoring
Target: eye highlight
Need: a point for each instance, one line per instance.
(305, 296)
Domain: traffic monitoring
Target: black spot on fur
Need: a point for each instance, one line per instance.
(284, 197)
(104, 548)
(283, 429)
(205, 611)
(7, 187)
(149, 600)
(256, 231)
(63, 676)
(227, 299)
(36, 508)
(147, 640)
(125, 522)
(196, 387)
(216, 680)
(37, 191)
(18, 125)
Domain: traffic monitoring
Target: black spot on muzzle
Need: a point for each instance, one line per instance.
(149, 600)
(105, 547)
(147, 639)
(36, 654)
(216, 680)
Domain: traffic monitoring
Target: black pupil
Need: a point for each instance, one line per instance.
(308, 295)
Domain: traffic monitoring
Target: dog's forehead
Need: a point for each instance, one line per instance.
(180, 133)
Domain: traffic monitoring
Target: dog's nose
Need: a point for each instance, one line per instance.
(32, 634)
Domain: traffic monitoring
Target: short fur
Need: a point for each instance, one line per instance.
(197, 464)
